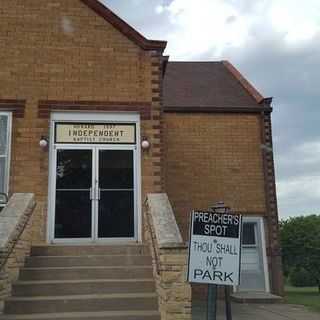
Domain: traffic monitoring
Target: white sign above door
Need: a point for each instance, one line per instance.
(95, 133)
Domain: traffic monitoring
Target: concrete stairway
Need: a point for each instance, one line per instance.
(85, 282)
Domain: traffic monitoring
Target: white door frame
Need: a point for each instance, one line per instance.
(96, 117)
(7, 155)
(261, 242)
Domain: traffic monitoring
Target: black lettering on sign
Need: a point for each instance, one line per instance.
(215, 224)
(213, 275)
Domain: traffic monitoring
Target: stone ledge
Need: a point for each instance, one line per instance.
(165, 226)
(169, 254)
(13, 219)
(174, 245)
(15, 239)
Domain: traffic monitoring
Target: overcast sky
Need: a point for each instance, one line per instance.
(276, 45)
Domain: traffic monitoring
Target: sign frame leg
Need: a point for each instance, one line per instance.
(228, 303)
(212, 302)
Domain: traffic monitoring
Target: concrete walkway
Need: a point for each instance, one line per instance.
(256, 312)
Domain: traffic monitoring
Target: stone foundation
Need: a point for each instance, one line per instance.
(170, 256)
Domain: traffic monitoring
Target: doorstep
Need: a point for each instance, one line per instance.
(255, 297)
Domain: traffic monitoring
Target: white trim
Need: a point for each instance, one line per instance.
(264, 256)
(51, 187)
(8, 151)
(138, 182)
(135, 187)
(94, 117)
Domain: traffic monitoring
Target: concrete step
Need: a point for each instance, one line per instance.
(81, 273)
(91, 260)
(74, 287)
(104, 315)
(256, 297)
(57, 250)
(82, 303)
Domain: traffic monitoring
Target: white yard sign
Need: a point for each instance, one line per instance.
(214, 248)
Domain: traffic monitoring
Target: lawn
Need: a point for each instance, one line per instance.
(307, 296)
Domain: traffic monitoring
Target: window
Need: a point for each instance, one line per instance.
(5, 140)
(249, 234)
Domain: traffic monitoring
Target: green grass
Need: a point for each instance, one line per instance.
(307, 296)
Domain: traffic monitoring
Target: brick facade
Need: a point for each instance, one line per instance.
(64, 55)
(213, 157)
(62, 50)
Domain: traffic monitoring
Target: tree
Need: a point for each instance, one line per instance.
(300, 241)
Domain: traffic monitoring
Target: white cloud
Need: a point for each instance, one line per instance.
(299, 192)
(275, 44)
(200, 26)
(307, 153)
(310, 152)
(299, 195)
(160, 9)
(299, 188)
(299, 20)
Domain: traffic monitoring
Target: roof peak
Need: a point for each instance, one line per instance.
(132, 34)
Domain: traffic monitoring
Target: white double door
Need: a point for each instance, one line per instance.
(95, 193)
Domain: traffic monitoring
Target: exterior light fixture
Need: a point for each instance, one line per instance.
(145, 144)
(43, 143)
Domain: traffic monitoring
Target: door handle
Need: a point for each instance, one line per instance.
(95, 194)
(91, 194)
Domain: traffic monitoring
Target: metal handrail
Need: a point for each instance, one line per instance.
(153, 243)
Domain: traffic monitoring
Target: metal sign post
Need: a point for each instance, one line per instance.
(212, 302)
(228, 303)
(214, 253)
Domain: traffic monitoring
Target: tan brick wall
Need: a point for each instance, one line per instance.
(62, 50)
(210, 158)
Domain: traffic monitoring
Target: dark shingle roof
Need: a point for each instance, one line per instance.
(206, 84)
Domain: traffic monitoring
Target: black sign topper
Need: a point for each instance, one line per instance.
(206, 223)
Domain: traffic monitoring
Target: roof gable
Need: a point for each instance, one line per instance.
(124, 27)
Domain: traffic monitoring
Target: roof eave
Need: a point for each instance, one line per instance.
(213, 109)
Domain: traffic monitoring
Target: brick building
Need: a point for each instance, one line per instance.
(74, 74)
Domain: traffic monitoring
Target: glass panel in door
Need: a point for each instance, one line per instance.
(116, 194)
(73, 210)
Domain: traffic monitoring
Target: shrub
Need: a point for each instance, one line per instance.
(300, 277)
